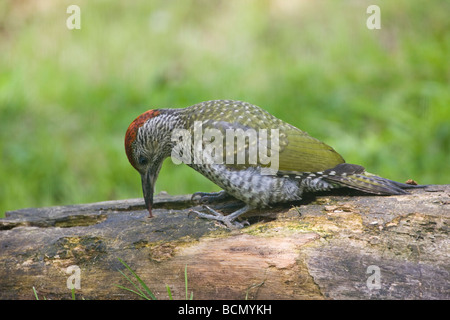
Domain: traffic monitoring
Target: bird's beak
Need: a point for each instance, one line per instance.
(148, 183)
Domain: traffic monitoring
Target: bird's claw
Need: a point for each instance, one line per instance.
(215, 215)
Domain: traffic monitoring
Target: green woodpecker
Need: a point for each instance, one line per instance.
(249, 153)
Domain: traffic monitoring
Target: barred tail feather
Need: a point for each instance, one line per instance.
(354, 176)
(348, 175)
(368, 183)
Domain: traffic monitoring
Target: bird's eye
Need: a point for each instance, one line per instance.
(142, 160)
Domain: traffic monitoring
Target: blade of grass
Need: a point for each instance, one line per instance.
(139, 292)
(142, 283)
(35, 293)
(186, 285)
(186, 281)
(253, 286)
(147, 289)
(135, 292)
(169, 293)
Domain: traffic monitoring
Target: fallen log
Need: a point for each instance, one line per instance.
(340, 245)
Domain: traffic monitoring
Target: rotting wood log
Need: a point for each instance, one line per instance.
(340, 245)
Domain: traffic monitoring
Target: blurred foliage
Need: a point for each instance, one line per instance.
(381, 98)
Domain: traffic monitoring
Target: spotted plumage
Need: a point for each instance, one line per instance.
(223, 139)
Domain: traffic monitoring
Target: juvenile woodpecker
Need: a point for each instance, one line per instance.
(250, 154)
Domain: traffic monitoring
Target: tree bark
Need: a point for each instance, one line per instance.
(342, 245)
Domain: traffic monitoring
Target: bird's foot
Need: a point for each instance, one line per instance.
(227, 220)
(209, 197)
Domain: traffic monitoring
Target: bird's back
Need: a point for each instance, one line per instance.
(297, 151)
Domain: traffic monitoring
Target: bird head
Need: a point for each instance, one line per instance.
(146, 146)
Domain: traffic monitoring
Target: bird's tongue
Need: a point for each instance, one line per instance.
(150, 211)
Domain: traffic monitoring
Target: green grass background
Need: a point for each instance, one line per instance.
(381, 98)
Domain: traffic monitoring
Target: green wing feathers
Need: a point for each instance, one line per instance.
(297, 151)
(303, 153)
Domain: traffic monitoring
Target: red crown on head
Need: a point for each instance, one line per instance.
(132, 131)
